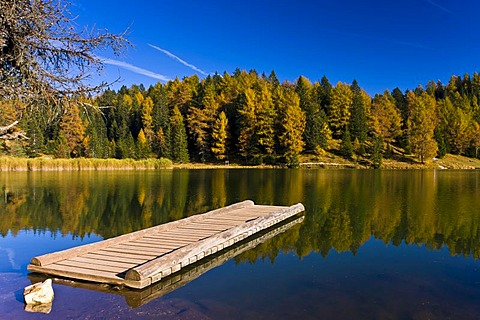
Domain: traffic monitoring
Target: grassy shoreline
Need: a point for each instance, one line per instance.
(80, 164)
(333, 162)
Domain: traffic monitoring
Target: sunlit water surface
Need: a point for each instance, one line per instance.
(373, 244)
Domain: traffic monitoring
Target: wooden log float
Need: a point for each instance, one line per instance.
(136, 298)
(151, 254)
(91, 247)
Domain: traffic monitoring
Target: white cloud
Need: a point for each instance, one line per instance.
(185, 63)
(135, 69)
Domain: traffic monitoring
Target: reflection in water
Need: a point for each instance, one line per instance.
(335, 265)
(343, 208)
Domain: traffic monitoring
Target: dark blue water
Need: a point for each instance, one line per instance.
(373, 244)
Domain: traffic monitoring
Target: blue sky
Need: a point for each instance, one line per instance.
(383, 44)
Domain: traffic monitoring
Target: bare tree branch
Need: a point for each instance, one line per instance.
(45, 58)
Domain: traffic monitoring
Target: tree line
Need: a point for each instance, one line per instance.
(250, 118)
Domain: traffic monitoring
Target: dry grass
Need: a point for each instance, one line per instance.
(80, 164)
(327, 160)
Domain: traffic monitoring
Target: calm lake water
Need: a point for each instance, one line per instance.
(372, 245)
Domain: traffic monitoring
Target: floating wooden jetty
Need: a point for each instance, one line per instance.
(138, 297)
(142, 258)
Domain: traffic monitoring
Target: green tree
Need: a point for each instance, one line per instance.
(346, 146)
(178, 137)
(35, 146)
(358, 117)
(96, 142)
(377, 152)
(161, 121)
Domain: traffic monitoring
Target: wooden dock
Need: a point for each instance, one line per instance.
(138, 297)
(142, 258)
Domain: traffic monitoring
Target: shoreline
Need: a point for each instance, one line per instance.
(12, 164)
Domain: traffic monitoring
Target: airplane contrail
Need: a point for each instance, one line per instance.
(135, 69)
(185, 63)
(440, 7)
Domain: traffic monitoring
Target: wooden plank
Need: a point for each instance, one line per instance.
(153, 249)
(234, 220)
(89, 266)
(143, 243)
(144, 253)
(111, 258)
(92, 261)
(174, 234)
(198, 231)
(190, 233)
(206, 226)
(222, 222)
(137, 256)
(164, 239)
(157, 244)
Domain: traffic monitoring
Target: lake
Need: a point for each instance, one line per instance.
(372, 244)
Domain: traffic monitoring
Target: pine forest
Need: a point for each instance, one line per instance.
(254, 119)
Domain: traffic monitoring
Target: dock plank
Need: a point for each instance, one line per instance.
(141, 258)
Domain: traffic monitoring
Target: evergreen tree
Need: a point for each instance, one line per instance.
(61, 148)
(178, 137)
(35, 145)
(346, 146)
(311, 108)
(126, 147)
(377, 152)
(358, 117)
(401, 105)
(161, 121)
(325, 93)
(96, 144)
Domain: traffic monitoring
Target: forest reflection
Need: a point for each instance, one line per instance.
(344, 208)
